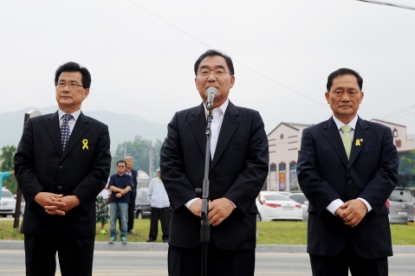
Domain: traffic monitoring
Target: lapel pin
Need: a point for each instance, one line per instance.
(85, 144)
(358, 142)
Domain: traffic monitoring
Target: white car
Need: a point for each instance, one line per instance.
(7, 203)
(278, 207)
(300, 198)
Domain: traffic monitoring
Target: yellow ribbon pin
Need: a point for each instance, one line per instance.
(358, 142)
(85, 144)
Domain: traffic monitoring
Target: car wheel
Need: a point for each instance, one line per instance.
(258, 217)
(139, 215)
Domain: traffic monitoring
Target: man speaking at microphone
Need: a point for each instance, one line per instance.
(238, 169)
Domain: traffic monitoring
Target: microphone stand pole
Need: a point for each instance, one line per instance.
(205, 226)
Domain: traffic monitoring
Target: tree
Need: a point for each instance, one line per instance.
(140, 149)
(6, 160)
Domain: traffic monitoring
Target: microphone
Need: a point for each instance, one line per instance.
(211, 93)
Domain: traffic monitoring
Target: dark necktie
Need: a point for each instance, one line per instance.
(65, 132)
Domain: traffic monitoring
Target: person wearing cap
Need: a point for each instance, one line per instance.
(160, 208)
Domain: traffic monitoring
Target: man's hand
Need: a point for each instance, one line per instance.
(62, 204)
(196, 207)
(354, 211)
(219, 210)
(50, 202)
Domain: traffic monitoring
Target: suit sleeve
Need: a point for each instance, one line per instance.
(24, 165)
(249, 182)
(96, 179)
(384, 181)
(175, 181)
(318, 191)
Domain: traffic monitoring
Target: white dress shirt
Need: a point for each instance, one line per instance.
(71, 122)
(217, 114)
(335, 204)
(158, 194)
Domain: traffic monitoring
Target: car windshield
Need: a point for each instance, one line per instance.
(299, 198)
(277, 197)
(400, 196)
(6, 193)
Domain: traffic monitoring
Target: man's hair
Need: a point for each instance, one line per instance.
(129, 157)
(122, 161)
(344, 71)
(74, 67)
(210, 53)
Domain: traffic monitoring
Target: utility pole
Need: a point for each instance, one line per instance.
(150, 165)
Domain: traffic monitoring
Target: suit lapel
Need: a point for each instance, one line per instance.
(229, 125)
(54, 131)
(198, 127)
(361, 133)
(79, 129)
(332, 135)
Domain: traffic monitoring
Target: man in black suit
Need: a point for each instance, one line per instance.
(238, 168)
(62, 163)
(347, 168)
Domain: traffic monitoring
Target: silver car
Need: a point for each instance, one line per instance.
(401, 206)
(7, 203)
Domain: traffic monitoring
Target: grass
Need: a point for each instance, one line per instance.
(272, 232)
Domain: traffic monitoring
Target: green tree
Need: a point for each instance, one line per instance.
(6, 160)
(140, 149)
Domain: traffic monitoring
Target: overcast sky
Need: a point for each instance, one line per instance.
(141, 54)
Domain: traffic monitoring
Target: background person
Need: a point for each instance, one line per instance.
(120, 186)
(160, 208)
(62, 162)
(4, 175)
(102, 209)
(347, 168)
(238, 169)
(131, 205)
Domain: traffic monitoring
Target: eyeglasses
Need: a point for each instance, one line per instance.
(120, 166)
(71, 85)
(218, 72)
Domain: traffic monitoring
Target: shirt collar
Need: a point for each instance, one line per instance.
(223, 107)
(352, 123)
(75, 114)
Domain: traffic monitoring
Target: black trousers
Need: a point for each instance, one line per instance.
(131, 206)
(164, 215)
(75, 254)
(187, 262)
(348, 259)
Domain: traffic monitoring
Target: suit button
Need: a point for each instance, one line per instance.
(60, 187)
(349, 182)
(61, 167)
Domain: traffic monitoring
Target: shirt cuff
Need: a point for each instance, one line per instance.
(334, 205)
(369, 208)
(190, 202)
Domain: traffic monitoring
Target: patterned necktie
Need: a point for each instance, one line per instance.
(347, 141)
(65, 132)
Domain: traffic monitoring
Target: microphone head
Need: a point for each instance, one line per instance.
(211, 90)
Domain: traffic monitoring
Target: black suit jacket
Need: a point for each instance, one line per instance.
(237, 172)
(325, 174)
(81, 170)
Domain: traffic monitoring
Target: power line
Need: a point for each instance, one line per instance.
(388, 4)
(246, 66)
(398, 112)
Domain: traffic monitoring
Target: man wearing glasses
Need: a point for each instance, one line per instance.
(238, 168)
(62, 163)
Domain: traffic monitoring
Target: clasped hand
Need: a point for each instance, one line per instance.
(352, 212)
(55, 204)
(219, 210)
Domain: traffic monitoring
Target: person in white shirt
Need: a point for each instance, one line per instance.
(160, 209)
(102, 208)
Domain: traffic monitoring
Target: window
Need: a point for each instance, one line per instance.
(273, 168)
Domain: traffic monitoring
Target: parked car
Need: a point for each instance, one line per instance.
(401, 206)
(278, 207)
(300, 198)
(7, 203)
(142, 204)
(284, 193)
